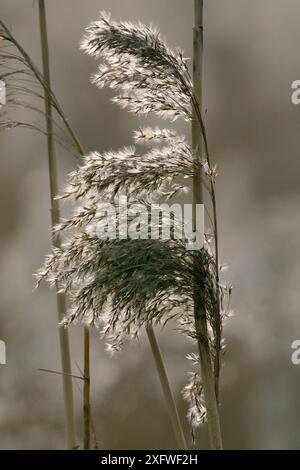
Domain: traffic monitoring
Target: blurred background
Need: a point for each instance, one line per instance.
(251, 59)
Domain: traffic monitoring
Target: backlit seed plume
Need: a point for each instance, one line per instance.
(122, 285)
(134, 172)
(146, 73)
(193, 394)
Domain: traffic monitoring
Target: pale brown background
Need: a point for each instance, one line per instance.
(251, 58)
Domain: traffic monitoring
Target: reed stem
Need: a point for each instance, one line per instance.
(55, 217)
(50, 101)
(198, 135)
(86, 392)
(167, 392)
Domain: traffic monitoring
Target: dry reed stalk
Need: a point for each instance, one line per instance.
(208, 381)
(55, 217)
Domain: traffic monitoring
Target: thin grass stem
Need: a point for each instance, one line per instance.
(55, 217)
(86, 392)
(198, 136)
(168, 395)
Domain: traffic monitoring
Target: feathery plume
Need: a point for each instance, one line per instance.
(148, 75)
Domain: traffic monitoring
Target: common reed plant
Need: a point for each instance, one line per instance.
(24, 84)
(122, 285)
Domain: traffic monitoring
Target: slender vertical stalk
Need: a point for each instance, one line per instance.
(169, 399)
(213, 419)
(55, 216)
(51, 100)
(86, 392)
